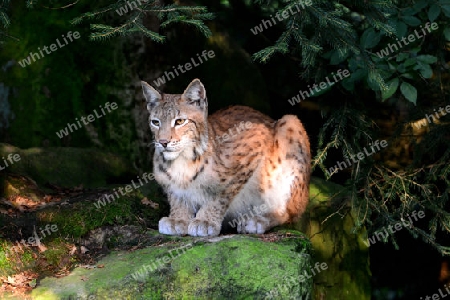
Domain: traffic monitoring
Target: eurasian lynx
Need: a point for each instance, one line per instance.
(213, 175)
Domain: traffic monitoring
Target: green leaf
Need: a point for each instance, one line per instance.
(401, 29)
(391, 88)
(337, 57)
(401, 68)
(434, 12)
(410, 62)
(447, 33)
(409, 92)
(358, 75)
(424, 69)
(392, 66)
(402, 56)
(354, 63)
(419, 5)
(409, 11)
(446, 10)
(407, 75)
(411, 21)
(370, 38)
(428, 59)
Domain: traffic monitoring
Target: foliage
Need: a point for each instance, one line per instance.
(49, 82)
(352, 35)
(135, 12)
(168, 14)
(4, 19)
(347, 34)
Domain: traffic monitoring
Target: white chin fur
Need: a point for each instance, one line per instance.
(170, 155)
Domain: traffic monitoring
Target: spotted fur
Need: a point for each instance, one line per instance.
(235, 162)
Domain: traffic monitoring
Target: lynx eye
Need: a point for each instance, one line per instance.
(155, 122)
(180, 121)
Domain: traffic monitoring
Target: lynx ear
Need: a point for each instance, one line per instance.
(150, 94)
(195, 94)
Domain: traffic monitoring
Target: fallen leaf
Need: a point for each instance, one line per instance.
(41, 247)
(150, 203)
(73, 250)
(11, 280)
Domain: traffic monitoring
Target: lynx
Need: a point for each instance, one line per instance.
(237, 162)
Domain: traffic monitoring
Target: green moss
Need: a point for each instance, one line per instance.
(5, 265)
(229, 267)
(69, 167)
(27, 258)
(84, 216)
(56, 250)
(12, 260)
(217, 272)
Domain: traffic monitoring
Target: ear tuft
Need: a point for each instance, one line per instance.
(150, 94)
(195, 93)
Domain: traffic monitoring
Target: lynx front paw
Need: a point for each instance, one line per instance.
(173, 226)
(203, 228)
(257, 225)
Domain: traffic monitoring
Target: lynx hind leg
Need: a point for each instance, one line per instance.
(286, 172)
(254, 224)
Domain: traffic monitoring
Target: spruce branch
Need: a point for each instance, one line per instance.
(92, 15)
(4, 19)
(191, 15)
(31, 3)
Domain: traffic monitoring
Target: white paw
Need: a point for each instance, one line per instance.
(257, 225)
(203, 228)
(172, 226)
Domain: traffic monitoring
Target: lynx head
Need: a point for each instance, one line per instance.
(178, 121)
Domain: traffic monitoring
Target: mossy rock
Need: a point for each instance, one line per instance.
(68, 167)
(226, 267)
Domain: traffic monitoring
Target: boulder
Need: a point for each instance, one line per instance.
(271, 266)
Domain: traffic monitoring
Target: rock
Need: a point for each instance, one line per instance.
(225, 267)
(67, 167)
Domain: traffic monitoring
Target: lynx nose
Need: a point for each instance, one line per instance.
(164, 143)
